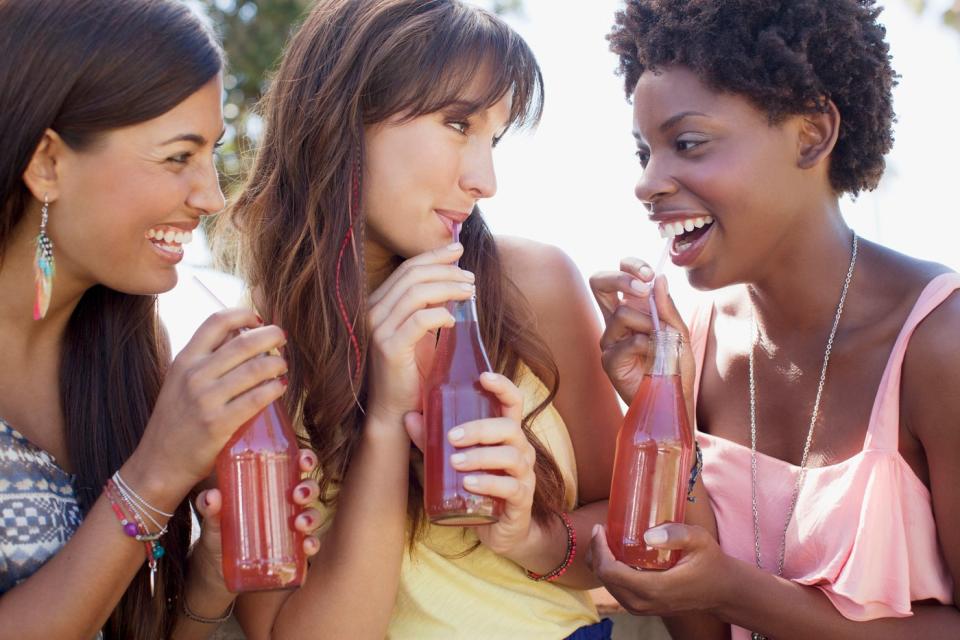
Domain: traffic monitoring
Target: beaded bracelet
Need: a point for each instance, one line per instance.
(136, 529)
(198, 618)
(567, 559)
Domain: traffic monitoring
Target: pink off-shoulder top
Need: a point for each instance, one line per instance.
(863, 531)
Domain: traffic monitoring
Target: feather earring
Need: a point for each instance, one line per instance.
(44, 267)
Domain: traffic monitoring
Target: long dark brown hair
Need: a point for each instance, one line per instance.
(81, 68)
(354, 63)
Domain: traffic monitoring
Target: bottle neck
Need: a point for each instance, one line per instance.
(464, 310)
(663, 353)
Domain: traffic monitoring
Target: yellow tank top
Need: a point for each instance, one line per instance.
(444, 594)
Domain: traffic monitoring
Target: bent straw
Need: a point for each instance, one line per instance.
(656, 272)
(209, 293)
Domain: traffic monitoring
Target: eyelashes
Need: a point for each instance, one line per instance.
(681, 146)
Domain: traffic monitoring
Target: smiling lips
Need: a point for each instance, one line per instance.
(169, 239)
(688, 236)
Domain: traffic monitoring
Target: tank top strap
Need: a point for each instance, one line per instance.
(884, 428)
(699, 332)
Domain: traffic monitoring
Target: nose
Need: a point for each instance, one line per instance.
(205, 195)
(655, 183)
(477, 175)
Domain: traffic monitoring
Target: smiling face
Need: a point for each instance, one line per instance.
(127, 204)
(424, 174)
(717, 176)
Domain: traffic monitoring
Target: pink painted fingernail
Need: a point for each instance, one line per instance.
(303, 492)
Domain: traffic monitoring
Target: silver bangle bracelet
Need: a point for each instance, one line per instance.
(196, 618)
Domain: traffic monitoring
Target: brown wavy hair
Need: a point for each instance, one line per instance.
(81, 68)
(354, 63)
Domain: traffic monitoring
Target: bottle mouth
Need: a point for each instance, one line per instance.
(667, 335)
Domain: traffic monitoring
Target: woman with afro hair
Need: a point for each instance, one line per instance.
(821, 369)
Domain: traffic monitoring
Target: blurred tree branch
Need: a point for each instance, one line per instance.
(950, 16)
(254, 33)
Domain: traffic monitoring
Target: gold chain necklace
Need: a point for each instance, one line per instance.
(806, 446)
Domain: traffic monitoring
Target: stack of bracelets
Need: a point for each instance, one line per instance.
(126, 503)
(567, 558)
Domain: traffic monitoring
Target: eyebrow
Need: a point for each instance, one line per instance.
(672, 120)
(195, 138)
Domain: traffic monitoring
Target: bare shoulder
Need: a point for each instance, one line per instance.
(542, 272)
(931, 368)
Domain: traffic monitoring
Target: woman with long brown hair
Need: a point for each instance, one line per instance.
(109, 113)
(379, 131)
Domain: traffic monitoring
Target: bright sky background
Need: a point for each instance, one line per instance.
(570, 183)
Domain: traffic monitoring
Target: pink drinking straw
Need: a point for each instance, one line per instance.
(209, 292)
(656, 272)
(456, 236)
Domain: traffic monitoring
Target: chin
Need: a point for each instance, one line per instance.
(706, 278)
(147, 286)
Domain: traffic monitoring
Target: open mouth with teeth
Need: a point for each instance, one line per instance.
(685, 233)
(169, 239)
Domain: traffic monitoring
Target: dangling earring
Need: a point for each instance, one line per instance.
(44, 266)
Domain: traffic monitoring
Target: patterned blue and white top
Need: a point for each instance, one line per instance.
(38, 507)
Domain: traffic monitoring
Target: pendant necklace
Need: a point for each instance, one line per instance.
(754, 332)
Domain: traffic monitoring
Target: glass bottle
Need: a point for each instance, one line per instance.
(257, 472)
(452, 397)
(653, 457)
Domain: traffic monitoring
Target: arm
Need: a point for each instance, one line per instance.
(205, 592)
(567, 321)
(216, 384)
(352, 583)
(706, 580)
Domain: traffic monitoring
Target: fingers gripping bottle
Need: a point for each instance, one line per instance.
(652, 462)
(452, 396)
(257, 472)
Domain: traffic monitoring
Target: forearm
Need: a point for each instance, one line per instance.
(80, 586)
(547, 546)
(206, 596)
(785, 610)
(696, 626)
(358, 566)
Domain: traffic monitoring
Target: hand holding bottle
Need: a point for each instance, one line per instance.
(218, 382)
(402, 311)
(498, 451)
(209, 503)
(623, 297)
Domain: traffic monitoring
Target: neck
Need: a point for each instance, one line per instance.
(380, 263)
(803, 276)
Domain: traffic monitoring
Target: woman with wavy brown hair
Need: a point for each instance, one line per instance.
(109, 114)
(379, 131)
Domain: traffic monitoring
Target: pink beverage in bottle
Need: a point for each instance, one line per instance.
(453, 396)
(256, 473)
(652, 463)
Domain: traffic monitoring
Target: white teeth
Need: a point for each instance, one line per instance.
(151, 234)
(178, 237)
(169, 236)
(188, 237)
(674, 229)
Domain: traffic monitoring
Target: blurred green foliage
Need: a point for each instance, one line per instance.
(254, 33)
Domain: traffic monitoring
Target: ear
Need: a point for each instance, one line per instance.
(817, 136)
(43, 173)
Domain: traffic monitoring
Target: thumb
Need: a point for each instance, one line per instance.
(666, 309)
(416, 429)
(209, 503)
(676, 536)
